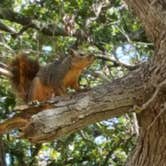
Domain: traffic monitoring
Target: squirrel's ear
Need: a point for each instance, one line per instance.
(73, 52)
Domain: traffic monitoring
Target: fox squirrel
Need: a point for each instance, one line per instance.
(33, 82)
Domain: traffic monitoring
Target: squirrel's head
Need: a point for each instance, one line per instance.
(81, 60)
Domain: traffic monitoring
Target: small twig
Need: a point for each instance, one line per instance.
(151, 100)
(156, 117)
(6, 28)
(4, 66)
(117, 62)
(101, 75)
(35, 151)
(7, 47)
(124, 34)
(158, 89)
(135, 124)
(97, 8)
(5, 72)
(85, 138)
(22, 30)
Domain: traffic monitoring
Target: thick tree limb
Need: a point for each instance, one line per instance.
(26, 21)
(151, 143)
(68, 114)
(112, 100)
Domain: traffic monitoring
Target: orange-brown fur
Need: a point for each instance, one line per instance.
(48, 81)
(24, 70)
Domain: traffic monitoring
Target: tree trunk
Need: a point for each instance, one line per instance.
(151, 146)
(2, 154)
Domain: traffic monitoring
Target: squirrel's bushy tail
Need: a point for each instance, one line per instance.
(24, 70)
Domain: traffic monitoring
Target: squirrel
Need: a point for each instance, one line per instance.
(34, 82)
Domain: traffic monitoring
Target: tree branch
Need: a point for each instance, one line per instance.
(97, 9)
(64, 115)
(27, 22)
(117, 62)
(6, 28)
(4, 71)
(152, 15)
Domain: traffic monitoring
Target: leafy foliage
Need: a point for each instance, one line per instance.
(112, 31)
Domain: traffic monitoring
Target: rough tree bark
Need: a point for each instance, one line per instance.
(71, 114)
(142, 90)
(151, 146)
